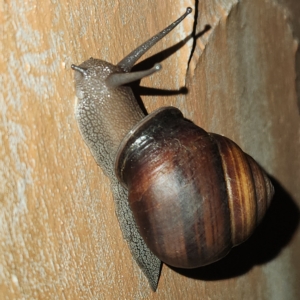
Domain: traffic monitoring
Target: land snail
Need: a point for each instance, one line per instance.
(183, 196)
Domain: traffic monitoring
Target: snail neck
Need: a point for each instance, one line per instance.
(104, 122)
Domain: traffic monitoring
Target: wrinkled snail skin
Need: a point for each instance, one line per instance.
(182, 196)
(104, 116)
(103, 121)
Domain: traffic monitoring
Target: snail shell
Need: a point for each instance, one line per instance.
(194, 195)
(182, 195)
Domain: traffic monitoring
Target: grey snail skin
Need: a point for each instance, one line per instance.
(183, 196)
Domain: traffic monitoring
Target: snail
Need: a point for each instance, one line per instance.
(183, 196)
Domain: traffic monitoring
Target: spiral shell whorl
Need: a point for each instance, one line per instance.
(250, 195)
(193, 194)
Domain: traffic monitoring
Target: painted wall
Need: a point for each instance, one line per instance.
(59, 235)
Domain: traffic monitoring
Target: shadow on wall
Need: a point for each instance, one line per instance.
(269, 238)
(157, 58)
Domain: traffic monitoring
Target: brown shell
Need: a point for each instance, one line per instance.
(194, 195)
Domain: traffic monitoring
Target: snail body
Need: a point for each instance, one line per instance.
(183, 196)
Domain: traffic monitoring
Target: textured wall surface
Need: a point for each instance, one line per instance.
(59, 237)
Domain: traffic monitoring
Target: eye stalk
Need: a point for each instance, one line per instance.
(117, 79)
(79, 69)
(128, 61)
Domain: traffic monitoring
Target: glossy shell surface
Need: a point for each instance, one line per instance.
(194, 195)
